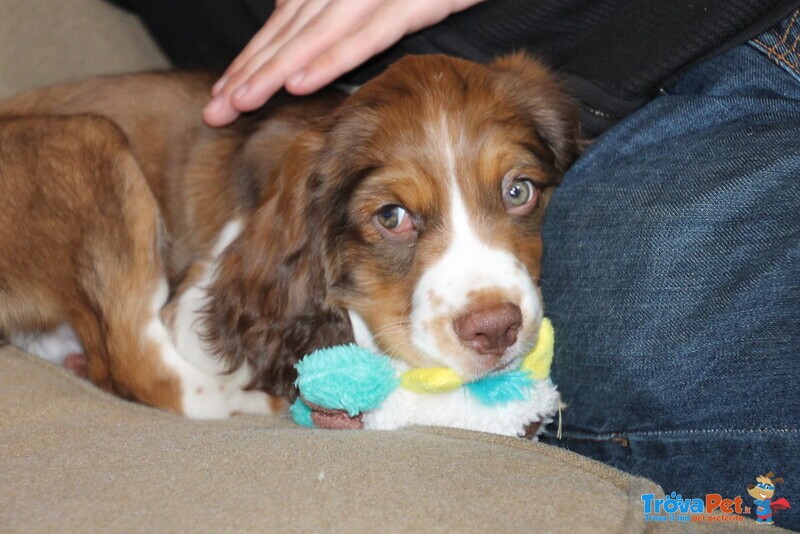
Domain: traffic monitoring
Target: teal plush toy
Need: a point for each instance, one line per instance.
(351, 387)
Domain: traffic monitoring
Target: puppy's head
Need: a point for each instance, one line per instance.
(416, 207)
(451, 165)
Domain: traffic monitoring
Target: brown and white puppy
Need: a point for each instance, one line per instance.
(196, 266)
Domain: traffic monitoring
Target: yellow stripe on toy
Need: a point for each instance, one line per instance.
(430, 380)
(442, 379)
(538, 361)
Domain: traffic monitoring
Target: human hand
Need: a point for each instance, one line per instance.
(306, 44)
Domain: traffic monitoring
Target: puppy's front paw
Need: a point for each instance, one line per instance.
(334, 419)
(530, 430)
(78, 364)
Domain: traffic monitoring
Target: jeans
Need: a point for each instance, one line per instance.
(672, 276)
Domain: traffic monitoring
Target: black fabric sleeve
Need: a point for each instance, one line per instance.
(613, 55)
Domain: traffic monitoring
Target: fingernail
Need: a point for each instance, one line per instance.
(296, 78)
(241, 91)
(218, 86)
(214, 105)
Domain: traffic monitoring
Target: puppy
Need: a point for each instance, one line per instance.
(196, 266)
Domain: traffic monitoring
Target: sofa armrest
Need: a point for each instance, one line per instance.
(45, 41)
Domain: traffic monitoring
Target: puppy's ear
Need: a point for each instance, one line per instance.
(268, 305)
(554, 114)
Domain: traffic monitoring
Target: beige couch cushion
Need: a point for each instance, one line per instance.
(77, 458)
(48, 41)
(74, 459)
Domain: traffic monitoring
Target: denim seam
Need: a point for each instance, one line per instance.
(734, 431)
(712, 431)
(773, 51)
(781, 58)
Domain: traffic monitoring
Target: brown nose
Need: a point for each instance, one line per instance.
(490, 330)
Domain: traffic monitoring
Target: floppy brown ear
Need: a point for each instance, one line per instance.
(778, 480)
(268, 305)
(554, 115)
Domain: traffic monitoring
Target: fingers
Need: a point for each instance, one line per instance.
(314, 27)
(290, 17)
(306, 44)
(375, 35)
(283, 15)
(385, 26)
(289, 60)
(306, 36)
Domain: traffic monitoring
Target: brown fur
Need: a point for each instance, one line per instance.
(91, 172)
(89, 255)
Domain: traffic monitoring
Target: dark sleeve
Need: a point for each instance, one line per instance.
(200, 33)
(613, 55)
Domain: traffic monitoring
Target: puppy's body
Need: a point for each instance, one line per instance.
(111, 202)
(197, 265)
(197, 175)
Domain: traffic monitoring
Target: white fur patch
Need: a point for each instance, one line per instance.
(204, 395)
(361, 332)
(185, 332)
(54, 345)
(467, 265)
(207, 392)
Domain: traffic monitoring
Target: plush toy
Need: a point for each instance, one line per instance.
(350, 387)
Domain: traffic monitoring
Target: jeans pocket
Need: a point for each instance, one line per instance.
(781, 44)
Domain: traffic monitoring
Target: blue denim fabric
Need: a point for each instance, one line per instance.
(672, 276)
(782, 44)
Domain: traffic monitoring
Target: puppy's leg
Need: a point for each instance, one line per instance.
(78, 231)
(55, 345)
(184, 318)
(60, 346)
(160, 369)
(79, 235)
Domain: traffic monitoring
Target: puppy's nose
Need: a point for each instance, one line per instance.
(490, 330)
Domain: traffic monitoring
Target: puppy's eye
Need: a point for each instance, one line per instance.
(520, 193)
(520, 196)
(392, 217)
(394, 222)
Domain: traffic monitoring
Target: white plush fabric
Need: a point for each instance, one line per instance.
(460, 409)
